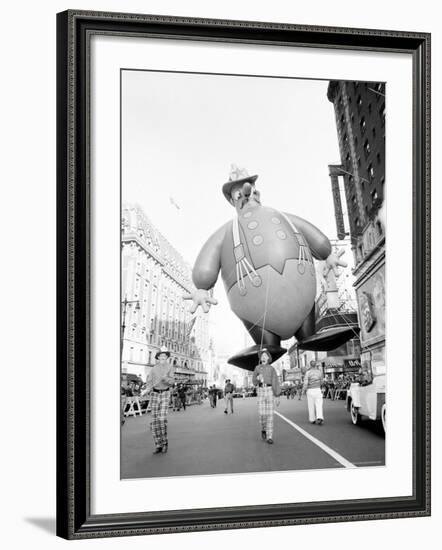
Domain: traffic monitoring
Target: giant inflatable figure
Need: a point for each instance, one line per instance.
(266, 263)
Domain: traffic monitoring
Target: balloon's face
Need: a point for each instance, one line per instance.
(244, 194)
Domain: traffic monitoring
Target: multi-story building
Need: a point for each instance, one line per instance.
(360, 121)
(153, 280)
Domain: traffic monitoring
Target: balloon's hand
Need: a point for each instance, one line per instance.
(200, 298)
(333, 262)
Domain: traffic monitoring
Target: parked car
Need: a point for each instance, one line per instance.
(366, 398)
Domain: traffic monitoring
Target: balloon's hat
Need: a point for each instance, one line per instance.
(236, 176)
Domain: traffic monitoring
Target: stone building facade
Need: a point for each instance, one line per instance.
(154, 278)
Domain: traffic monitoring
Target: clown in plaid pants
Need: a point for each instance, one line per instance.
(159, 407)
(265, 409)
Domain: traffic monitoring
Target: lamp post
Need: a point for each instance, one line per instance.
(125, 305)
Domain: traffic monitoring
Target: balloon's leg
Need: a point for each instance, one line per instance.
(327, 339)
(261, 335)
(248, 357)
(308, 327)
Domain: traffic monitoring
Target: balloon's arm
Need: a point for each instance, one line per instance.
(208, 263)
(319, 244)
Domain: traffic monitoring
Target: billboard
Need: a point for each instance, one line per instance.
(371, 300)
(292, 375)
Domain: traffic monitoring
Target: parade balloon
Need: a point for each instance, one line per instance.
(266, 262)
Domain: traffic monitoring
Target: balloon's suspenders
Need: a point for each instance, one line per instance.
(244, 267)
(305, 256)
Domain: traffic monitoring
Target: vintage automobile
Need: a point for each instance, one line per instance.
(366, 398)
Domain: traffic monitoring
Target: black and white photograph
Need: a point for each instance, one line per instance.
(252, 274)
(221, 273)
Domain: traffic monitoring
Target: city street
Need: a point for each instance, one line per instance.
(203, 440)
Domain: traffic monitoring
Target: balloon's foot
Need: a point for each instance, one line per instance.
(328, 339)
(248, 357)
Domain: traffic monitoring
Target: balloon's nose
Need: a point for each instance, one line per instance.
(246, 189)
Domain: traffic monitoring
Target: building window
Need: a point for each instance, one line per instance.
(370, 171)
(367, 147)
(359, 102)
(363, 125)
(374, 195)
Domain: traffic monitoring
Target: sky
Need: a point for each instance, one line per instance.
(180, 134)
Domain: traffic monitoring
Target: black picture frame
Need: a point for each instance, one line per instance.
(74, 518)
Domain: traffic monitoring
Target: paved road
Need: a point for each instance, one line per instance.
(205, 441)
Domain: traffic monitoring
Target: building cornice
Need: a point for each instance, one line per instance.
(130, 237)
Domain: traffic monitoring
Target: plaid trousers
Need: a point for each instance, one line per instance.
(159, 406)
(265, 409)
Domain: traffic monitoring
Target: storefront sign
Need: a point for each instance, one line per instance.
(352, 364)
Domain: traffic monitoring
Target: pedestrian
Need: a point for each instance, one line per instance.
(175, 399)
(182, 397)
(312, 387)
(159, 381)
(265, 377)
(229, 388)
